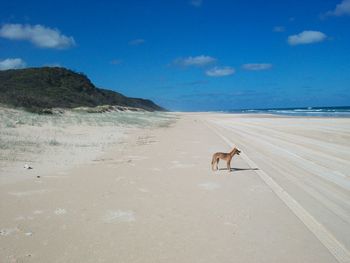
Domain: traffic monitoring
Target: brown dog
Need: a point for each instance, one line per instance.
(225, 156)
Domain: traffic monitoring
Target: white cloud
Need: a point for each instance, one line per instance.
(341, 9)
(136, 42)
(196, 3)
(12, 63)
(198, 61)
(306, 37)
(39, 35)
(220, 71)
(257, 66)
(279, 29)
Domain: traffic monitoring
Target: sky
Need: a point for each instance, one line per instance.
(190, 55)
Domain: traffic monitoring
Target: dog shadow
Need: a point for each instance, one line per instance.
(239, 169)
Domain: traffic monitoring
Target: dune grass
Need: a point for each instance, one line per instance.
(30, 137)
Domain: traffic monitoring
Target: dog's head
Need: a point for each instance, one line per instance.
(238, 151)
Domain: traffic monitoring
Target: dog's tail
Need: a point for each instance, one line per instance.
(214, 161)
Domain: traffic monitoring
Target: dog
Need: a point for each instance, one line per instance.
(224, 156)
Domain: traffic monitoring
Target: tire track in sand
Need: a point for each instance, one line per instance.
(326, 238)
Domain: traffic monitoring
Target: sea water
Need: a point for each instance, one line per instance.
(343, 111)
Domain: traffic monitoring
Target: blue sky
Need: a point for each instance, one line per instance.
(190, 55)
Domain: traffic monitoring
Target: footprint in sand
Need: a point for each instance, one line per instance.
(119, 216)
(60, 211)
(210, 186)
(8, 231)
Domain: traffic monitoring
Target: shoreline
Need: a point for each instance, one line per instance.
(262, 114)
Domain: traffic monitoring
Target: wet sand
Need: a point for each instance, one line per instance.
(154, 198)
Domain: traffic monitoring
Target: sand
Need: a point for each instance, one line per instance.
(154, 198)
(57, 143)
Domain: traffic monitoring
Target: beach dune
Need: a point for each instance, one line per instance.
(154, 197)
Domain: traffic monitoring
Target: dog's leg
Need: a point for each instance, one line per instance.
(217, 163)
(213, 166)
(229, 165)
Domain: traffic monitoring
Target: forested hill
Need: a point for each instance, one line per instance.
(36, 89)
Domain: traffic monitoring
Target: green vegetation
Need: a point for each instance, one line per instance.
(41, 89)
(30, 137)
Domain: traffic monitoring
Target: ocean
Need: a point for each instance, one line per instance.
(343, 111)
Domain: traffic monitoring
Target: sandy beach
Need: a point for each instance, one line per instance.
(148, 194)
